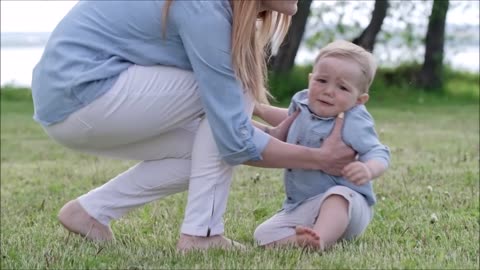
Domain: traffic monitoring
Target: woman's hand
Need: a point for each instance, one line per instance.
(330, 158)
(338, 154)
(281, 130)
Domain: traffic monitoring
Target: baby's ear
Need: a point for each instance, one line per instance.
(309, 76)
(363, 98)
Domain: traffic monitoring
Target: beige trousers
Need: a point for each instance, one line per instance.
(153, 114)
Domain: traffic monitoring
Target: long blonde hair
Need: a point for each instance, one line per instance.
(254, 36)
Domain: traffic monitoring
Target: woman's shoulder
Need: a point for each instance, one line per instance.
(204, 9)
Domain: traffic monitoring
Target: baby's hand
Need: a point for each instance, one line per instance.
(357, 172)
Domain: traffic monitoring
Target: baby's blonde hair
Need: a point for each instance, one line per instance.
(252, 37)
(348, 50)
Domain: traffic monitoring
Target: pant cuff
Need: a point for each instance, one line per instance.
(202, 230)
(92, 211)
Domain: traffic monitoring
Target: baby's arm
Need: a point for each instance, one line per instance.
(281, 130)
(374, 157)
(360, 173)
(279, 118)
(270, 114)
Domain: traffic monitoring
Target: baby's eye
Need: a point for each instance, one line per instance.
(343, 88)
(321, 80)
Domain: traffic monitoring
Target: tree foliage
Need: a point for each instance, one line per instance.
(401, 36)
(399, 39)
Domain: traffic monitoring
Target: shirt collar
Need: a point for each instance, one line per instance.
(303, 104)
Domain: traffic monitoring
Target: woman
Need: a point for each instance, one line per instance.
(135, 80)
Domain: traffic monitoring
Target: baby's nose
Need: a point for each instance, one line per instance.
(329, 89)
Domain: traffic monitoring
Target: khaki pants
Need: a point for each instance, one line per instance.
(283, 224)
(153, 114)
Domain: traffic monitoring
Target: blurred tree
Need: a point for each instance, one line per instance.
(400, 40)
(284, 59)
(368, 36)
(430, 76)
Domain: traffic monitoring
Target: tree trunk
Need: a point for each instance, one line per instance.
(368, 36)
(284, 60)
(430, 76)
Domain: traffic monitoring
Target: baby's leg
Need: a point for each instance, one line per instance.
(304, 237)
(343, 214)
(331, 224)
(339, 213)
(280, 230)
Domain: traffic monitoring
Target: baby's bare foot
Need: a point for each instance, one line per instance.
(190, 242)
(307, 237)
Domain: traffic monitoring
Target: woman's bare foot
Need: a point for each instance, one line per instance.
(75, 219)
(190, 242)
(307, 237)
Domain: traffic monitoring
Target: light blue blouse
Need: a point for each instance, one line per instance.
(97, 40)
(311, 130)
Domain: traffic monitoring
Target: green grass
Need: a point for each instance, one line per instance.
(434, 143)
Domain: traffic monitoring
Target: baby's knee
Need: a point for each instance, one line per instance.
(336, 199)
(265, 233)
(340, 194)
(260, 231)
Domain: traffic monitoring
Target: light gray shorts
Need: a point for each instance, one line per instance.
(283, 224)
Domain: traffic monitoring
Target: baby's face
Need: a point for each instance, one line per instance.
(334, 86)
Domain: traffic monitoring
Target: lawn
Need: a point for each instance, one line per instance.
(434, 172)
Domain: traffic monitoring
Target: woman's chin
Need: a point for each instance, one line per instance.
(291, 12)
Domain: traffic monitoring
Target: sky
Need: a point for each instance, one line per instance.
(43, 16)
(32, 16)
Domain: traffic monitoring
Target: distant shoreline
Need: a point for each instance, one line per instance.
(24, 39)
(21, 51)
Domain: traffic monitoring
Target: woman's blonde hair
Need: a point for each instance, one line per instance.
(345, 49)
(254, 36)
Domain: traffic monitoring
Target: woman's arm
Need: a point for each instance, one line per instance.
(331, 158)
(237, 140)
(220, 91)
(270, 114)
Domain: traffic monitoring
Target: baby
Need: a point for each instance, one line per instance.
(321, 209)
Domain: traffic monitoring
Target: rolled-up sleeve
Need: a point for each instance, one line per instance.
(205, 30)
(359, 133)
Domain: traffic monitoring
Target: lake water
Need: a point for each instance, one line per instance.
(17, 63)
